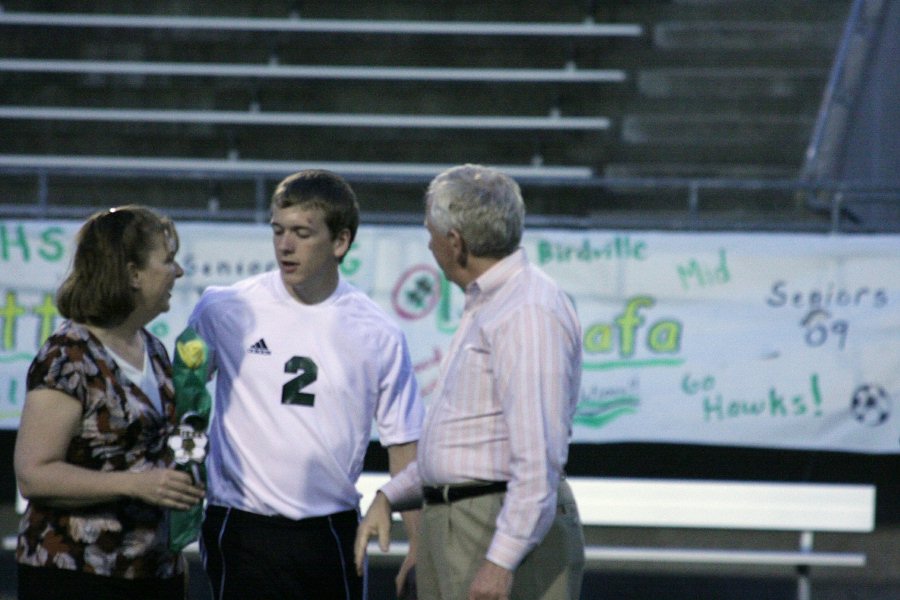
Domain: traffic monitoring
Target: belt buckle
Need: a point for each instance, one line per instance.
(445, 493)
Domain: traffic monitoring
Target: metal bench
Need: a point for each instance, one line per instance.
(804, 508)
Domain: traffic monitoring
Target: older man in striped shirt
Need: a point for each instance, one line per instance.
(499, 520)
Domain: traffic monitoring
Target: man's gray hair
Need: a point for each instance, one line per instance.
(484, 205)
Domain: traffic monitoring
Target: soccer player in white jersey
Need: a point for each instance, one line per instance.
(305, 362)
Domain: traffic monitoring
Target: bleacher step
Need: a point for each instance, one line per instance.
(723, 129)
(746, 35)
(730, 82)
(641, 170)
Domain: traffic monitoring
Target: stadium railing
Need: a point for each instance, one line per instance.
(588, 28)
(833, 201)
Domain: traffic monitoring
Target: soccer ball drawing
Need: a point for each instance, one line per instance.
(871, 405)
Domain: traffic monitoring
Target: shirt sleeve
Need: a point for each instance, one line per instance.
(404, 490)
(536, 362)
(399, 413)
(54, 368)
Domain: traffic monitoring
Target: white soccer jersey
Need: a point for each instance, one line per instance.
(297, 390)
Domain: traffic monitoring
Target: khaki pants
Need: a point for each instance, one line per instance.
(455, 539)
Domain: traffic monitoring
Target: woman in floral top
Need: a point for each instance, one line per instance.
(91, 454)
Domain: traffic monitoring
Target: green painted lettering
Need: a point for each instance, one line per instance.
(690, 273)
(799, 405)
(545, 252)
(350, 264)
(598, 338)
(713, 408)
(665, 337)
(619, 247)
(721, 272)
(444, 313)
(776, 403)
(10, 312)
(629, 321)
(691, 385)
(53, 248)
(816, 394)
(18, 239)
(47, 312)
(751, 408)
(13, 398)
(694, 274)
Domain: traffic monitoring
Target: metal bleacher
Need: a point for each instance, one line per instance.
(217, 164)
(593, 108)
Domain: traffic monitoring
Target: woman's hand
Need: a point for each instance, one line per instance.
(167, 488)
(50, 419)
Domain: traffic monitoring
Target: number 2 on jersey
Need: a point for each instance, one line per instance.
(291, 392)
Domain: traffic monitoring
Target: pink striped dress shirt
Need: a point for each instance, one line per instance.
(505, 401)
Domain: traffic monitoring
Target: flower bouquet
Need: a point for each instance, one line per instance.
(188, 442)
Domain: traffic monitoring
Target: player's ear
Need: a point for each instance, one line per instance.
(341, 243)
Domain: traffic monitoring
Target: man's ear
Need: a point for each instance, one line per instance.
(460, 249)
(341, 243)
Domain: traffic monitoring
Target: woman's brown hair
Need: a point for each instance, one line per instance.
(97, 290)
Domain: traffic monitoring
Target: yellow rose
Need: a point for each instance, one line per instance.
(192, 353)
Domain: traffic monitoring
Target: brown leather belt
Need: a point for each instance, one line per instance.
(451, 493)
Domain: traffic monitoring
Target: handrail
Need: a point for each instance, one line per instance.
(261, 172)
(173, 166)
(830, 95)
(233, 168)
(568, 74)
(409, 121)
(350, 26)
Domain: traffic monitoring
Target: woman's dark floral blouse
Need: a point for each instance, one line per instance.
(120, 431)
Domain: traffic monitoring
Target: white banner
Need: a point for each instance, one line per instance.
(740, 339)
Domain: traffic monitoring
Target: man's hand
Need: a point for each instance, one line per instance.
(406, 580)
(376, 523)
(492, 582)
(399, 458)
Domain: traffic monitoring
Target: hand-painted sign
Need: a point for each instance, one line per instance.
(742, 339)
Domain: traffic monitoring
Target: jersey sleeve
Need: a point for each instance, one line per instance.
(399, 413)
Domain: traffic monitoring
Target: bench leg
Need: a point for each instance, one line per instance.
(803, 592)
(806, 545)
